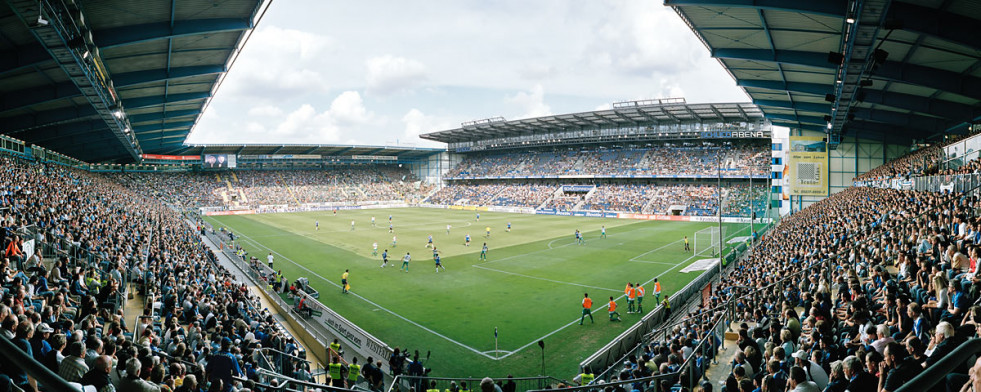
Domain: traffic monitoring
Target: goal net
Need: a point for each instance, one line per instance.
(707, 241)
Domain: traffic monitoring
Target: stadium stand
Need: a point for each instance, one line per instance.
(253, 188)
(681, 159)
(107, 240)
(690, 200)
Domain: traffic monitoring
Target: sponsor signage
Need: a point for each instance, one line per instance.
(577, 188)
(172, 157)
(734, 134)
(808, 163)
(375, 157)
(235, 212)
(353, 336)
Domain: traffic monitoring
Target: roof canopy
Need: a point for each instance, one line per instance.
(879, 69)
(632, 113)
(109, 80)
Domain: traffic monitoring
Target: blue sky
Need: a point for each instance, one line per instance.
(382, 72)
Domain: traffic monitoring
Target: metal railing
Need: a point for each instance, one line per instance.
(937, 373)
(403, 383)
(11, 354)
(631, 340)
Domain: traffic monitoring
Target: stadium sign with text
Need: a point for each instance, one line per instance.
(808, 158)
(172, 157)
(734, 135)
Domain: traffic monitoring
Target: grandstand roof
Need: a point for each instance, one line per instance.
(632, 113)
(877, 68)
(108, 80)
(310, 149)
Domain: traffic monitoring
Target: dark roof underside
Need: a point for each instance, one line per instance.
(908, 69)
(164, 58)
(321, 149)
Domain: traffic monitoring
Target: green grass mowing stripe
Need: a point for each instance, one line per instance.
(403, 318)
(548, 301)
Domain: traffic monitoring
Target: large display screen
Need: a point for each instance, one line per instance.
(218, 161)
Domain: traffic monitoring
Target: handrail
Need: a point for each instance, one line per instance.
(938, 372)
(12, 354)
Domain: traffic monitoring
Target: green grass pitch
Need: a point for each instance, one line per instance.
(529, 288)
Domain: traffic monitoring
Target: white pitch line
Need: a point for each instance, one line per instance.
(651, 262)
(369, 301)
(545, 279)
(535, 341)
(655, 250)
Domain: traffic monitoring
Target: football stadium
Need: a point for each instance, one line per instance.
(168, 225)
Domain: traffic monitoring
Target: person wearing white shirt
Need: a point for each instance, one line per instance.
(798, 381)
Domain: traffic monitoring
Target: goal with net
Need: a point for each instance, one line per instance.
(707, 240)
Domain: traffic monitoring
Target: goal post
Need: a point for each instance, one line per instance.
(707, 240)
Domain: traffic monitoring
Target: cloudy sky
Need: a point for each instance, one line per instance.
(382, 72)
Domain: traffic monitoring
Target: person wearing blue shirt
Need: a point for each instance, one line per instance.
(223, 366)
(959, 302)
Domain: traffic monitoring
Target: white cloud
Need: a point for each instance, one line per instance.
(346, 115)
(531, 103)
(265, 111)
(390, 74)
(537, 71)
(279, 63)
(636, 38)
(417, 123)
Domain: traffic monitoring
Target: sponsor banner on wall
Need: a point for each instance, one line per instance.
(808, 158)
(350, 335)
(577, 188)
(512, 210)
(237, 212)
(172, 157)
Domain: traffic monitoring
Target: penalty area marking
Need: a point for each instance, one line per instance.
(535, 341)
(379, 307)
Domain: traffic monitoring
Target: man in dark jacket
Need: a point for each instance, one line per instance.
(98, 376)
(858, 379)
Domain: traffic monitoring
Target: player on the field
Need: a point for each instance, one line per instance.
(488, 232)
(384, 259)
(640, 297)
(373, 222)
(389, 218)
(395, 241)
(587, 306)
(405, 262)
(631, 296)
(614, 316)
(344, 286)
(435, 253)
(448, 229)
(438, 264)
(509, 228)
(317, 224)
(657, 292)
(468, 240)
(578, 237)
(352, 225)
(374, 248)
(483, 252)
(335, 212)
(429, 244)
(478, 217)
(602, 231)
(390, 228)
(687, 249)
